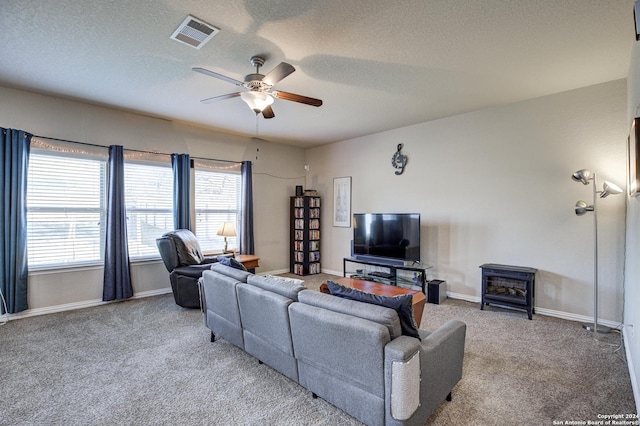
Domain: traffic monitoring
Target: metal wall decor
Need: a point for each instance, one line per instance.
(399, 160)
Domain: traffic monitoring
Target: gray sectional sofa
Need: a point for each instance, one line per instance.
(351, 354)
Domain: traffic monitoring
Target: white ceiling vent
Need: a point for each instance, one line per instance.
(194, 32)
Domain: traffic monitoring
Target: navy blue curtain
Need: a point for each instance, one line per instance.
(117, 272)
(180, 164)
(14, 162)
(245, 236)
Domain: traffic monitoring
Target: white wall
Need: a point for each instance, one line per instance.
(277, 170)
(494, 186)
(491, 186)
(632, 266)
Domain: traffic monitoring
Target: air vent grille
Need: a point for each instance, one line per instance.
(194, 32)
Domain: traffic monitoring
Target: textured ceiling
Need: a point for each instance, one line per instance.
(376, 64)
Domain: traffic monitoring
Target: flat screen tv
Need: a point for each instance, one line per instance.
(387, 236)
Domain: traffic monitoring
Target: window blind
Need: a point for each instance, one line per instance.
(149, 198)
(65, 209)
(217, 200)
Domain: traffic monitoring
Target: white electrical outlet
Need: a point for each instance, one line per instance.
(630, 327)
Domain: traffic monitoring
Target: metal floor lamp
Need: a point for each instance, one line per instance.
(585, 176)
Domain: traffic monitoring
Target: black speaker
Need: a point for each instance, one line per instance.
(436, 291)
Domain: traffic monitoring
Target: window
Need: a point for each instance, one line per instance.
(66, 204)
(217, 200)
(65, 209)
(148, 190)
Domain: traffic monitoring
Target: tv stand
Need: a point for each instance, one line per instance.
(391, 277)
(386, 275)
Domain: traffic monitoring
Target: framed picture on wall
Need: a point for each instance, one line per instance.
(342, 202)
(633, 183)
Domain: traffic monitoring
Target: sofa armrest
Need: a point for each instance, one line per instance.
(203, 299)
(192, 271)
(402, 378)
(441, 355)
(401, 349)
(441, 363)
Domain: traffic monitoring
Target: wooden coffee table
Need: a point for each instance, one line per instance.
(385, 290)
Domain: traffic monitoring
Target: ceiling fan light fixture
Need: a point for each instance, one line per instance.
(257, 101)
(260, 95)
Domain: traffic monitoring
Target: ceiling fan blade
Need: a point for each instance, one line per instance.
(220, 98)
(278, 73)
(216, 75)
(268, 112)
(297, 98)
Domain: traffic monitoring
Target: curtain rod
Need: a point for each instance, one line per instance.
(132, 150)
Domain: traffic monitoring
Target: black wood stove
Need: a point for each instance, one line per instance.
(511, 286)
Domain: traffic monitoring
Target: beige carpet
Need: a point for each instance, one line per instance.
(522, 372)
(148, 361)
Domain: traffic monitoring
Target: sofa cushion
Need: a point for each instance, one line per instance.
(265, 314)
(221, 310)
(402, 304)
(187, 246)
(285, 279)
(286, 287)
(378, 314)
(231, 272)
(341, 357)
(230, 261)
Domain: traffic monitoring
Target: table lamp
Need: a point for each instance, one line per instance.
(227, 229)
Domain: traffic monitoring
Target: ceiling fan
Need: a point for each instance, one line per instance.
(260, 95)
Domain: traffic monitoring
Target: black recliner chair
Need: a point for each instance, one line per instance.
(181, 254)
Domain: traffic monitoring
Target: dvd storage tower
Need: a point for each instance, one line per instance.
(305, 235)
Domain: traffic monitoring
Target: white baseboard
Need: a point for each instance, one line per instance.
(150, 293)
(543, 311)
(473, 299)
(275, 272)
(632, 371)
(452, 295)
(78, 305)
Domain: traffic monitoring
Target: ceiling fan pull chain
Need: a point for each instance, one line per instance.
(257, 122)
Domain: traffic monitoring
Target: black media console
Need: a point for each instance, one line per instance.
(384, 277)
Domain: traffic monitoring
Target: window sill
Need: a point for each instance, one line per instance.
(61, 269)
(214, 254)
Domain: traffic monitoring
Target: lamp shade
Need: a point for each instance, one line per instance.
(582, 208)
(582, 175)
(257, 101)
(227, 229)
(609, 188)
